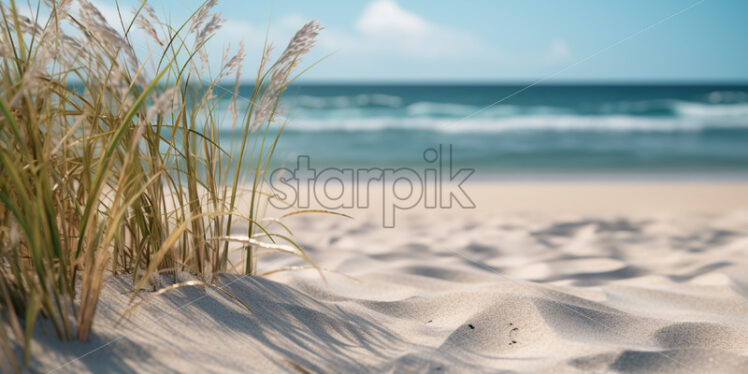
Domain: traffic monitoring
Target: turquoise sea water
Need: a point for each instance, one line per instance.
(546, 130)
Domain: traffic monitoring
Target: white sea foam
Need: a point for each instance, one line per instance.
(521, 123)
(687, 109)
(379, 112)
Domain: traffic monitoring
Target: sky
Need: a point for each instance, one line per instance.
(493, 40)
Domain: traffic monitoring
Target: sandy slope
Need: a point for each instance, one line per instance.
(539, 278)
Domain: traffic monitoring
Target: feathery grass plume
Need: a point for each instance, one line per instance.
(202, 14)
(210, 28)
(164, 103)
(266, 56)
(98, 26)
(235, 65)
(299, 45)
(145, 20)
(106, 36)
(25, 24)
(108, 166)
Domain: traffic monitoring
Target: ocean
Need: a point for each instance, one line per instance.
(547, 130)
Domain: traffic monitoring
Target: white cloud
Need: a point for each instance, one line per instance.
(386, 16)
(385, 28)
(557, 52)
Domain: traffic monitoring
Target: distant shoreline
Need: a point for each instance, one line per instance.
(485, 83)
(611, 177)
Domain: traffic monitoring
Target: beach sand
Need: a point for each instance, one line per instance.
(538, 278)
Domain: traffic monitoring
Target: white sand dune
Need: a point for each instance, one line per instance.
(495, 289)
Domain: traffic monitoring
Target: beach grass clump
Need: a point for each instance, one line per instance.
(116, 161)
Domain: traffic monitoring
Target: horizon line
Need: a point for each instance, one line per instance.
(515, 82)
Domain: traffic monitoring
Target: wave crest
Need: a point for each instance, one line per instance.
(527, 123)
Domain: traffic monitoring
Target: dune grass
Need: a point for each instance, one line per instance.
(111, 161)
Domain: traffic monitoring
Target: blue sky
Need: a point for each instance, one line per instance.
(497, 40)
